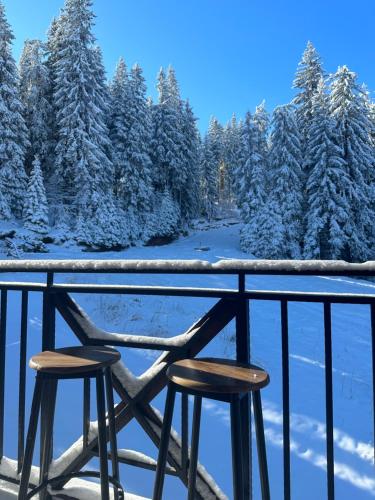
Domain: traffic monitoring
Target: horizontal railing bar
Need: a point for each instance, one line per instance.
(267, 267)
(146, 290)
(344, 298)
(218, 293)
(22, 286)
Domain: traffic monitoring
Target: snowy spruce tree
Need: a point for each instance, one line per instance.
(189, 203)
(164, 221)
(34, 92)
(286, 187)
(211, 161)
(83, 169)
(348, 107)
(208, 179)
(136, 184)
(309, 74)
(242, 172)
(167, 141)
(253, 184)
(36, 210)
(264, 235)
(119, 125)
(54, 49)
(231, 158)
(167, 138)
(328, 185)
(13, 131)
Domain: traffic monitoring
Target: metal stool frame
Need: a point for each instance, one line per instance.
(236, 437)
(46, 386)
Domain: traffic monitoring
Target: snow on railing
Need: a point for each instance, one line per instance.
(227, 266)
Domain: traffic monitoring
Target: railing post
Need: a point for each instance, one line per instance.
(286, 397)
(48, 342)
(243, 356)
(372, 311)
(329, 401)
(22, 379)
(3, 332)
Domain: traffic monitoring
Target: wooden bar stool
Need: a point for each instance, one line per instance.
(222, 380)
(69, 363)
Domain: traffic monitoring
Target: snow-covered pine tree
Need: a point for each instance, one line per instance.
(263, 235)
(190, 153)
(243, 171)
(160, 142)
(36, 210)
(348, 107)
(308, 76)
(106, 229)
(328, 204)
(84, 171)
(231, 155)
(254, 181)
(13, 131)
(34, 92)
(167, 138)
(119, 125)
(103, 94)
(209, 179)
(137, 185)
(286, 187)
(178, 168)
(164, 221)
(211, 161)
(261, 121)
(54, 48)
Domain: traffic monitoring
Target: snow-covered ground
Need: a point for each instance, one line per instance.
(354, 468)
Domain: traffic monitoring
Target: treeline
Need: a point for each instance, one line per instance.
(304, 179)
(85, 158)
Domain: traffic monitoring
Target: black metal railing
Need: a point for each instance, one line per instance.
(233, 304)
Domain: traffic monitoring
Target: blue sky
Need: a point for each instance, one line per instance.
(228, 54)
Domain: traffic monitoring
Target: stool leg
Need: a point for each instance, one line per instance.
(102, 437)
(194, 447)
(86, 410)
(30, 440)
(112, 428)
(184, 433)
(246, 444)
(237, 465)
(47, 438)
(164, 443)
(261, 445)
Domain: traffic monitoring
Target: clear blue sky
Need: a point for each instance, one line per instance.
(228, 54)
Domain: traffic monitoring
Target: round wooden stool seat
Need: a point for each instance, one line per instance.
(74, 360)
(217, 376)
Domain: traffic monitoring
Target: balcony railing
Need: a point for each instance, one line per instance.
(136, 398)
